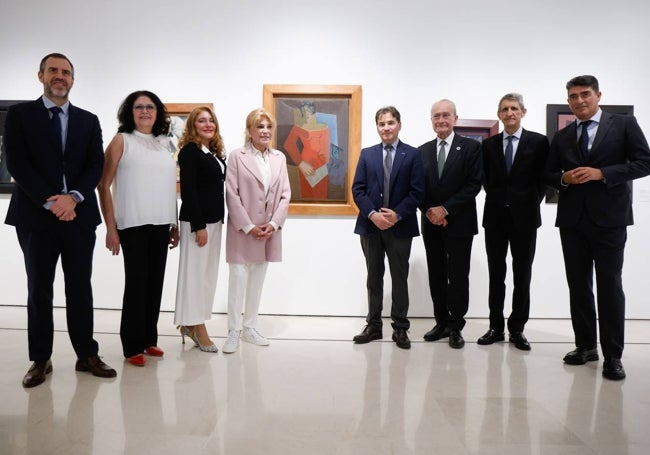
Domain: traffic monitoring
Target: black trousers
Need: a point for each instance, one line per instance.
(522, 248)
(145, 256)
(448, 261)
(584, 247)
(398, 250)
(41, 249)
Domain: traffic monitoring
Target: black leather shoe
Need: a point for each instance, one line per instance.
(369, 334)
(613, 369)
(491, 336)
(520, 341)
(436, 333)
(36, 374)
(456, 340)
(96, 366)
(580, 356)
(401, 338)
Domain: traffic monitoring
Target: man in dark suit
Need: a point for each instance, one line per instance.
(513, 178)
(54, 153)
(387, 188)
(452, 169)
(592, 162)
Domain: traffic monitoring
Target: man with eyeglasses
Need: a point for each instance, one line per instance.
(591, 162)
(55, 156)
(452, 169)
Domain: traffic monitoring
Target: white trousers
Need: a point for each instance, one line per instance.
(198, 269)
(245, 283)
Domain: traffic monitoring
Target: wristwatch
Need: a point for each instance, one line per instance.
(76, 197)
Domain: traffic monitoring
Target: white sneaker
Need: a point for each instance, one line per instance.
(232, 342)
(252, 336)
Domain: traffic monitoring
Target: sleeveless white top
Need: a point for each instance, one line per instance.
(144, 189)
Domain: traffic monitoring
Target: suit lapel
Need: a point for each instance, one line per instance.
(275, 163)
(604, 126)
(377, 159)
(521, 149)
(497, 152)
(453, 153)
(250, 163)
(44, 115)
(398, 159)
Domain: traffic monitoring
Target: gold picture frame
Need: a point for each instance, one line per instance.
(336, 113)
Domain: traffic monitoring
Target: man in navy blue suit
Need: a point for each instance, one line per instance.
(55, 156)
(592, 162)
(388, 186)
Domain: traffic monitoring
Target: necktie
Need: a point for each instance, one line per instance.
(583, 142)
(509, 153)
(56, 122)
(442, 156)
(388, 167)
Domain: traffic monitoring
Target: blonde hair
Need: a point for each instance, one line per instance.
(254, 118)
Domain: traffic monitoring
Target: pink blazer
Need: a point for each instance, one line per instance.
(247, 205)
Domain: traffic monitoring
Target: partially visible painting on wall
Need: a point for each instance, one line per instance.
(6, 182)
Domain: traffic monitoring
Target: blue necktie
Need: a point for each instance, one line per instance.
(509, 153)
(583, 142)
(388, 167)
(56, 122)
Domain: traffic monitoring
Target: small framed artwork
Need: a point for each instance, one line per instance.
(476, 129)
(6, 182)
(319, 131)
(559, 116)
(177, 113)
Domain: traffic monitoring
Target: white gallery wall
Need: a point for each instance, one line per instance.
(405, 53)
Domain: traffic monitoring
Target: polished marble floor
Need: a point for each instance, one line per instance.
(314, 392)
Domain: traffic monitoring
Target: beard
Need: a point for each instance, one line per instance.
(58, 91)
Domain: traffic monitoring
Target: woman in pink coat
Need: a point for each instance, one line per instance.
(257, 197)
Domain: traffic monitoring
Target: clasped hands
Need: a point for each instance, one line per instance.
(437, 215)
(384, 219)
(581, 175)
(263, 231)
(63, 207)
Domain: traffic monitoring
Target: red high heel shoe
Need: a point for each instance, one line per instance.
(154, 351)
(137, 360)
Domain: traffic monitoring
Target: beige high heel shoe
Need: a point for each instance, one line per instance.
(186, 331)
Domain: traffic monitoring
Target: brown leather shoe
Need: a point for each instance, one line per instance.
(401, 339)
(36, 374)
(369, 334)
(95, 365)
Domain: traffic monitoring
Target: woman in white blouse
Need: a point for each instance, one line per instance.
(138, 200)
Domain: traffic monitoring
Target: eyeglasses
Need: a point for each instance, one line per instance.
(144, 108)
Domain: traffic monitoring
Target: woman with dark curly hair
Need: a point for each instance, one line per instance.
(140, 216)
(203, 169)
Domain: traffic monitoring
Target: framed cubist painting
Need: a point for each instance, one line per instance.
(319, 131)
